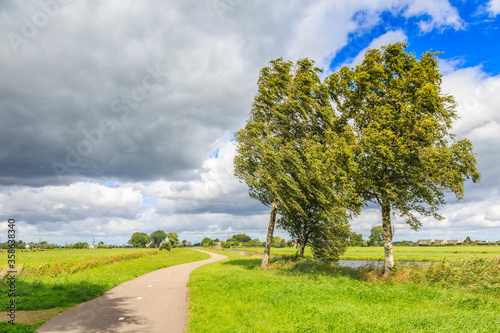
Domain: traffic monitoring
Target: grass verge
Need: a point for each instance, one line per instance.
(235, 295)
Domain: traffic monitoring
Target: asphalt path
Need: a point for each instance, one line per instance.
(153, 302)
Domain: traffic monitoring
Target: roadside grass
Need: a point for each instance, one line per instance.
(401, 253)
(55, 289)
(235, 295)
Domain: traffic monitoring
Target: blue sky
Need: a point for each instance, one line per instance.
(476, 43)
(119, 116)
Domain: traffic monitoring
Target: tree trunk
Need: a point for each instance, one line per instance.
(386, 223)
(270, 231)
(303, 245)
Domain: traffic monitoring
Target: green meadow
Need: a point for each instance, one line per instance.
(48, 283)
(66, 255)
(402, 253)
(305, 295)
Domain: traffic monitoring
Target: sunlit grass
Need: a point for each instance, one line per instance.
(235, 295)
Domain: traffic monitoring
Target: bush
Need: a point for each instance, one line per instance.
(166, 246)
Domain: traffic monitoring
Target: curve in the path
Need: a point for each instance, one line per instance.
(153, 302)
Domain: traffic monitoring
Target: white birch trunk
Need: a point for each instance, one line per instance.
(386, 223)
(270, 231)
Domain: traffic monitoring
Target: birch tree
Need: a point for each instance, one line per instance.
(292, 150)
(407, 156)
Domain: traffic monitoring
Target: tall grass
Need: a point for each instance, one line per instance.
(474, 274)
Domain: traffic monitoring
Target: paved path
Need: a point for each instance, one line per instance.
(153, 302)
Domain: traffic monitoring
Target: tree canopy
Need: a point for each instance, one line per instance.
(406, 154)
(138, 239)
(173, 238)
(292, 150)
(376, 235)
(157, 237)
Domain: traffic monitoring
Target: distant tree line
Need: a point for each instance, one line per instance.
(157, 239)
(244, 240)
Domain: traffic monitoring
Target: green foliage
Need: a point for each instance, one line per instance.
(184, 243)
(157, 237)
(207, 242)
(138, 239)
(81, 245)
(376, 236)
(406, 155)
(356, 239)
(293, 150)
(166, 246)
(331, 240)
(241, 238)
(173, 238)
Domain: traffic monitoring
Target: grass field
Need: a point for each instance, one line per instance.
(66, 255)
(53, 289)
(235, 295)
(403, 253)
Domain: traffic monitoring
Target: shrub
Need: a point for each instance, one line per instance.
(166, 246)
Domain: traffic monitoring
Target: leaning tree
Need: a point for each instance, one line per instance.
(406, 154)
(292, 149)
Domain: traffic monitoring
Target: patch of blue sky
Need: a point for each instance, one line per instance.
(476, 44)
(110, 183)
(214, 154)
(148, 200)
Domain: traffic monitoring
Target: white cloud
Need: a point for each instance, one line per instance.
(493, 7)
(387, 38)
(442, 15)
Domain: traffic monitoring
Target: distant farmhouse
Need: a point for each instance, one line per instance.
(441, 241)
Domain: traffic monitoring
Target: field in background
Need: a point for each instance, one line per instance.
(36, 257)
(402, 253)
(235, 295)
(55, 289)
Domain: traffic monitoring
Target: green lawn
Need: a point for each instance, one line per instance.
(235, 295)
(403, 253)
(62, 290)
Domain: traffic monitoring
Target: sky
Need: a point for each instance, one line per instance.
(118, 116)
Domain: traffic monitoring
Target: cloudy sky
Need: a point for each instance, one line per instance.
(118, 116)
